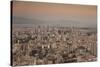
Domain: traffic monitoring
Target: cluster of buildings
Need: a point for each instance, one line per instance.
(52, 45)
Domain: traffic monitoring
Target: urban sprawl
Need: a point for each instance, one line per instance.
(52, 45)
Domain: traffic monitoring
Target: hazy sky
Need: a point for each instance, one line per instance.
(55, 13)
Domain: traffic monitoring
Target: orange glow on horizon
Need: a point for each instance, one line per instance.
(53, 9)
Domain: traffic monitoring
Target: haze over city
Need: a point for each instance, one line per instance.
(48, 33)
(54, 14)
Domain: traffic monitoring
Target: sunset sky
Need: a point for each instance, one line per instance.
(55, 13)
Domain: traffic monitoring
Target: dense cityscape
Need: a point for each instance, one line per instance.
(52, 45)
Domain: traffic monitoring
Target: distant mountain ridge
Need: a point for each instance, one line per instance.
(33, 21)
